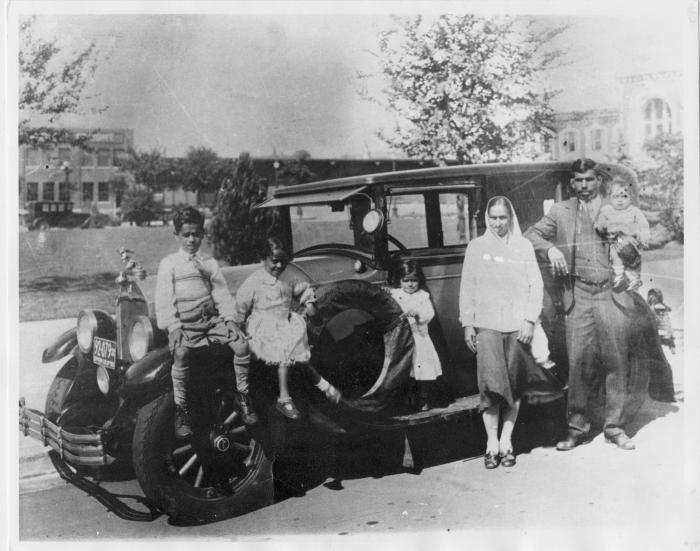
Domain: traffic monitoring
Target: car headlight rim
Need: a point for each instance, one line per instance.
(86, 330)
(103, 379)
(141, 336)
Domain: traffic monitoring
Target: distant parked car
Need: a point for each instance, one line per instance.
(42, 215)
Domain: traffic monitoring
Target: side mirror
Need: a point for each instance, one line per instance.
(373, 220)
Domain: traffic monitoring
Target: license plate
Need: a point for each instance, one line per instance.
(104, 352)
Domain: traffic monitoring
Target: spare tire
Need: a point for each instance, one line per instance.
(361, 343)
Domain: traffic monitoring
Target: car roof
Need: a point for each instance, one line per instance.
(437, 174)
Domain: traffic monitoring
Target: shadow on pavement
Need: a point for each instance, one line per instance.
(329, 460)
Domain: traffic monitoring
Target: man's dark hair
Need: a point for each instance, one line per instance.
(583, 165)
(187, 215)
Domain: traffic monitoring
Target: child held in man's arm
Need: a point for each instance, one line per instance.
(194, 305)
(627, 230)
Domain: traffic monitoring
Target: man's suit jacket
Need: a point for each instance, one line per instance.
(557, 229)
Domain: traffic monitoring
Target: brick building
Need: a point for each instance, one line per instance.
(68, 173)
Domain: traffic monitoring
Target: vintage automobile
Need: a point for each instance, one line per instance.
(43, 215)
(112, 401)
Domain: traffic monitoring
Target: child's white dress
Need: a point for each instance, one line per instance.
(277, 335)
(426, 363)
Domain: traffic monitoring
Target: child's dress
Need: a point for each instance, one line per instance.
(277, 335)
(426, 363)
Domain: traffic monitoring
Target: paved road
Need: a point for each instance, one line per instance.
(547, 490)
(589, 489)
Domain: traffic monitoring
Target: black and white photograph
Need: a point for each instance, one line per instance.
(340, 274)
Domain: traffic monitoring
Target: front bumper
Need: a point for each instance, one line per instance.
(76, 445)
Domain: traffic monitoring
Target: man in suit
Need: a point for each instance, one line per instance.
(597, 325)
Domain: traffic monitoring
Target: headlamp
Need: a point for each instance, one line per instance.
(140, 337)
(87, 327)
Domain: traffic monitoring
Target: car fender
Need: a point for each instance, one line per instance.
(61, 347)
(150, 373)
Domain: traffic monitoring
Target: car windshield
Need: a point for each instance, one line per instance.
(320, 225)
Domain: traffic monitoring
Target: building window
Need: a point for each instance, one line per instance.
(103, 191)
(33, 156)
(119, 155)
(47, 191)
(546, 143)
(63, 155)
(570, 141)
(657, 118)
(597, 139)
(88, 192)
(87, 158)
(104, 157)
(64, 191)
(32, 191)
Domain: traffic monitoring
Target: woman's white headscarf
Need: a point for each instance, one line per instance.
(514, 226)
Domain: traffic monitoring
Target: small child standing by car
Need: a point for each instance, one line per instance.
(194, 305)
(627, 229)
(418, 309)
(278, 335)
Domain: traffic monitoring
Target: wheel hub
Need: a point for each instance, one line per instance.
(221, 443)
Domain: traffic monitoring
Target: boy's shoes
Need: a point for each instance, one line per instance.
(247, 412)
(183, 428)
(333, 394)
(288, 409)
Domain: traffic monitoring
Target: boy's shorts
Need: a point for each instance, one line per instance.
(204, 333)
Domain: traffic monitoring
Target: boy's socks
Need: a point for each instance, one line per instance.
(240, 366)
(179, 376)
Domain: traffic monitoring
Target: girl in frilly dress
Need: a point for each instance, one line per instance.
(278, 335)
(416, 306)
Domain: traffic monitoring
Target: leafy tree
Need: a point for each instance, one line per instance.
(202, 170)
(147, 168)
(52, 82)
(138, 206)
(237, 231)
(664, 182)
(465, 87)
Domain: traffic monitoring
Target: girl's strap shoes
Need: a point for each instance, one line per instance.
(288, 409)
(507, 458)
(491, 460)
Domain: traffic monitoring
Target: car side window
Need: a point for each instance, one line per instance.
(407, 220)
(457, 225)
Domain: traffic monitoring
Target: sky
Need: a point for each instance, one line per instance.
(274, 84)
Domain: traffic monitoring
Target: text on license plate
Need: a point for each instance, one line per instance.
(104, 352)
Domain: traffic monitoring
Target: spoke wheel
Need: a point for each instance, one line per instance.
(220, 473)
